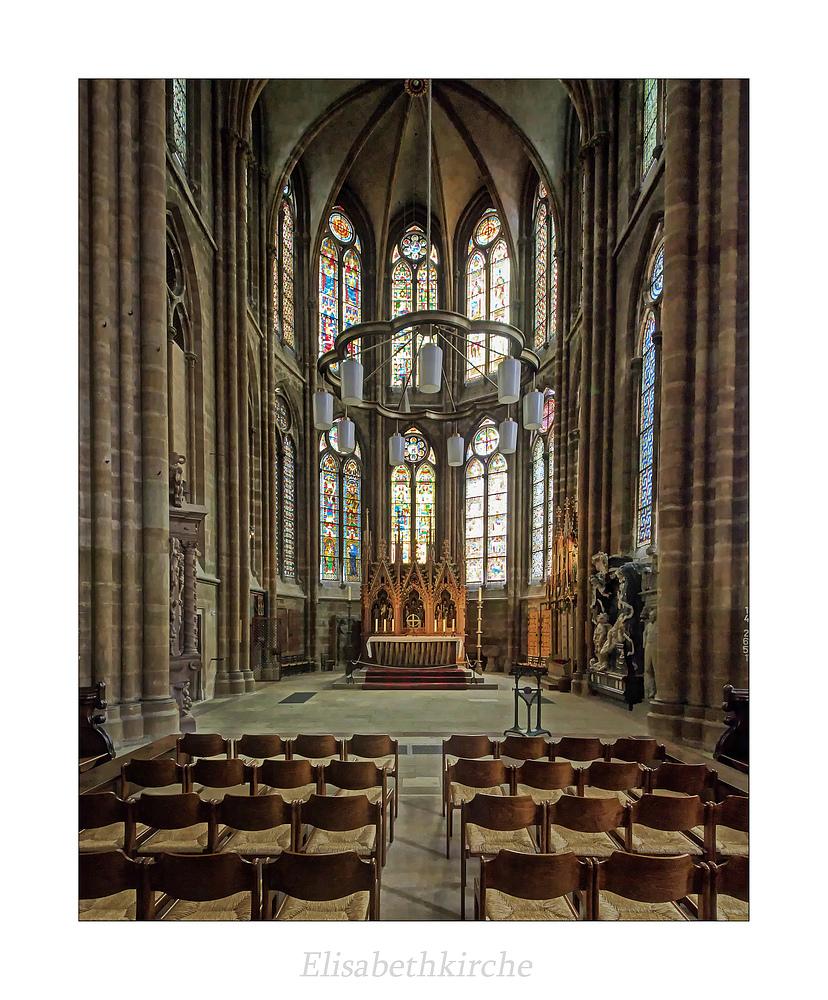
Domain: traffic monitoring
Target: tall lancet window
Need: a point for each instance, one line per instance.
(283, 271)
(487, 294)
(340, 281)
(487, 505)
(412, 289)
(179, 120)
(285, 474)
(546, 271)
(648, 398)
(413, 498)
(340, 511)
(542, 499)
(653, 122)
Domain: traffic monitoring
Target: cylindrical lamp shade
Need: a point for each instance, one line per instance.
(533, 410)
(508, 436)
(430, 368)
(508, 381)
(455, 450)
(322, 411)
(350, 374)
(346, 435)
(396, 449)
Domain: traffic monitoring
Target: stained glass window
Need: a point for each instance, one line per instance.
(645, 434)
(340, 512)
(413, 514)
(179, 128)
(538, 511)
(412, 288)
(546, 272)
(340, 282)
(486, 514)
(541, 502)
(286, 261)
(657, 279)
(653, 121)
(288, 509)
(488, 271)
(282, 414)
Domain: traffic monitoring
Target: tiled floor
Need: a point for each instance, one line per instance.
(418, 882)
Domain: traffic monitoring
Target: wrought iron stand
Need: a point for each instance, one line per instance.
(530, 696)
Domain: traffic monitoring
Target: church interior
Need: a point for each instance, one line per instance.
(413, 439)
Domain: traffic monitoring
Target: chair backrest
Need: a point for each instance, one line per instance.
(577, 748)
(478, 773)
(315, 746)
(614, 775)
(534, 876)
(220, 773)
(525, 748)
(651, 879)
(202, 877)
(661, 813)
(732, 811)
(368, 745)
(587, 815)
(547, 774)
(154, 773)
(97, 809)
(287, 774)
(103, 873)
(254, 812)
(691, 779)
(260, 745)
(502, 812)
(470, 747)
(172, 812)
(201, 745)
(354, 774)
(345, 812)
(635, 748)
(319, 877)
(731, 878)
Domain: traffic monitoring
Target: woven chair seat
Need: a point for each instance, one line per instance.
(465, 793)
(730, 842)
(104, 838)
(258, 761)
(319, 761)
(299, 794)
(187, 840)
(451, 760)
(646, 840)
(502, 906)
(218, 794)
(614, 907)
(595, 845)
(372, 794)
(259, 843)
(235, 907)
(590, 792)
(118, 906)
(484, 841)
(544, 794)
(352, 907)
(386, 763)
(362, 840)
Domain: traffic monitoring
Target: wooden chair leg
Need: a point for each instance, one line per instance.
(462, 881)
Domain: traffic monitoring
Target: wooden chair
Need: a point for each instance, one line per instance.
(662, 825)
(341, 886)
(637, 887)
(466, 778)
(202, 887)
(102, 822)
(183, 824)
(492, 823)
(727, 834)
(341, 824)
(294, 780)
(254, 748)
(148, 776)
(364, 777)
(578, 750)
(605, 779)
(729, 895)
(587, 827)
(212, 778)
(640, 749)
(319, 750)
(525, 748)
(467, 748)
(544, 780)
(110, 886)
(256, 826)
(683, 779)
(516, 886)
(380, 750)
(192, 745)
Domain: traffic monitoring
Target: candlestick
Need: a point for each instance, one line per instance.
(384, 624)
(349, 593)
(444, 624)
(376, 624)
(479, 593)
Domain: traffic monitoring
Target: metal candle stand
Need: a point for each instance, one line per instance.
(530, 696)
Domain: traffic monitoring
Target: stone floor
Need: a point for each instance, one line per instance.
(418, 882)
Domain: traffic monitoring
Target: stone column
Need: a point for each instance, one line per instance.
(159, 709)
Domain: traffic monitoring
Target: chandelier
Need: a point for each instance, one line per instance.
(432, 330)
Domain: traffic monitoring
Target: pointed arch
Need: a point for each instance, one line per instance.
(340, 281)
(487, 507)
(414, 498)
(414, 286)
(488, 293)
(340, 511)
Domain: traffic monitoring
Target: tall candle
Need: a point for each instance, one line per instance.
(376, 624)
(480, 593)
(349, 592)
(444, 624)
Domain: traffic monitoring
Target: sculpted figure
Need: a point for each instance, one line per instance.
(650, 643)
(599, 640)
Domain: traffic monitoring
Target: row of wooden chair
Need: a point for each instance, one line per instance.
(516, 886)
(596, 828)
(293, 886)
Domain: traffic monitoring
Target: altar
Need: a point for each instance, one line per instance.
(414, 650)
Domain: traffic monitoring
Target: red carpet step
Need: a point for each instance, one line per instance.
(431, 679)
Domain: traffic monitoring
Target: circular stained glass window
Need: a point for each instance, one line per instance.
(485, 440)
(415, 448)
(487, 229)
(282, 414)
(340, 227)
(657, 280)
(413, 245)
